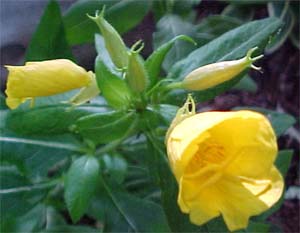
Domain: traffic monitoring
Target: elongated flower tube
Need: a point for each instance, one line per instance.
(113, 41)
(216, 73)
(224, 165)
(44, 78)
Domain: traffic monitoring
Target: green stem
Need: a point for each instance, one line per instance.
(30, 188)
(175, 85)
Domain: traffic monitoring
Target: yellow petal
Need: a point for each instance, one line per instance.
(183, 141)
(205, 209)
(252, 142)
(269, 189)
(237, 203)
(43, 79)
(13, 103)
(192, 188)
(246, 135)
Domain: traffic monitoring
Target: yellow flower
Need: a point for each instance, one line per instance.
(223, 162)
(43, 78)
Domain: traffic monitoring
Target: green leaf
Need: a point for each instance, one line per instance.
(48, 41)
(242, 13)
(294, 35)
(213, 26)
(246, 84)
(258, 227)
(32, 221)
(115, 166)
(3, 105)
(47, 120)
(155, 60)
(169, 27)
(166, 111)
(283, 161)
(216, 225)
(36, 155)
(104, 127)
(113, 88)
(16, 196)
(178, 7)
(238, 41)
(184, 8)
(123, 15)
(281, 10)
(128, 213)
(80, 184)
(12, 204)
(280, 121)
(158, 165)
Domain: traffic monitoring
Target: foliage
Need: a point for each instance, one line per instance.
(107, 162)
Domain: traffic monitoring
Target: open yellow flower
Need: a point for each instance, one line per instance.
(43, 78)
(224, 165)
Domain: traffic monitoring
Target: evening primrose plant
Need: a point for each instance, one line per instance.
(124, 147)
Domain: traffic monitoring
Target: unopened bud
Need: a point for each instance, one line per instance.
(216, 73)
(113, 42)
(136, 74)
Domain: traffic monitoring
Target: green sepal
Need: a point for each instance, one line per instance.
(113, 41)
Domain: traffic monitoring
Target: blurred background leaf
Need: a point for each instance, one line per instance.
(281, 10)
(123, 15)
(182, 8)
(48, 41)
(168, 27)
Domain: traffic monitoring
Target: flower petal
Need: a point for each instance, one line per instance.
(271, 191)
(183, 141)
(246, 135)
(237, 203)
(252, 143)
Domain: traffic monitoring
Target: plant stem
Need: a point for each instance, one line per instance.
(175, 85)
(30, 188)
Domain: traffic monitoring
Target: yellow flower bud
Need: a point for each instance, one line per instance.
(113, 42)
(43, 78)
(216, 73)
(224, 165)
(136, 74)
